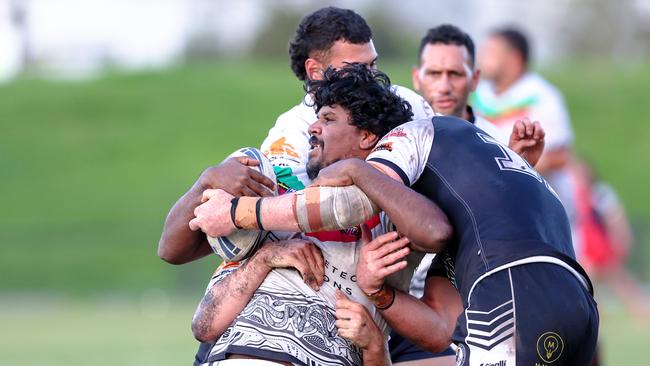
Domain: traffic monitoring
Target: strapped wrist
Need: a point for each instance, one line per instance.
(245, 217)
(382, 298)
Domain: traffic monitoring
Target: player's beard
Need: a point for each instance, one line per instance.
(313, 168)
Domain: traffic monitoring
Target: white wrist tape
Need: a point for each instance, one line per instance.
(332, 208)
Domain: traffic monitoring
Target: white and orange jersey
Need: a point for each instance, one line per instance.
(531, 96)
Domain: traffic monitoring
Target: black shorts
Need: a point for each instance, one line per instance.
(402, 350)
(535, 314)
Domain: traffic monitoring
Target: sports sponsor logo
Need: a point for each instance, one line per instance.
(500, 363)
(388, 146)
(281, 147)
(549, 347)
(396, 132)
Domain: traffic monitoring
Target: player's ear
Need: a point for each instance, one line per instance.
(313, 69)
(415, 76)
(368, 140)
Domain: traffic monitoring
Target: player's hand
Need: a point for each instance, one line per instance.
(379, 258)
(527, 140)
(355, 324)
(235, 176)
(213, 215)
(303, 255)
(338, 174)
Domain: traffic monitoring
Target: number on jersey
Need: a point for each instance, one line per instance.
(512, 161)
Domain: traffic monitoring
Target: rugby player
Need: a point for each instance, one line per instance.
(445, 76)
(328, 37)
(260, 313)
(525, 300)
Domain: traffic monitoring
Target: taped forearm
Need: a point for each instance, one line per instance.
(310, 210)
(332, 208)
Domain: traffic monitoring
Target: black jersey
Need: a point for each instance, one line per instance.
(502, 210)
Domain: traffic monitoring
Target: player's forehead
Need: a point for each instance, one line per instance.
(343, 52)
(334, 111)
(439, 56)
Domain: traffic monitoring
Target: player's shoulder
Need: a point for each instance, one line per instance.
(500, 135)
(300, 115)
(541, 86)
(419, 106)
(411, 129)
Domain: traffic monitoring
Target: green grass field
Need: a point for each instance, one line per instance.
(89, 170)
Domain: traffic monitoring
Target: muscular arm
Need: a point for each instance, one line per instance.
(227, 298)
(329, 208)
(428, 322)
(416, 217)
(178, 244)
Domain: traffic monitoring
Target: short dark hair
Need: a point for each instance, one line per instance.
(319, 30)
(367, 94)
(450, 35)
(516, 39)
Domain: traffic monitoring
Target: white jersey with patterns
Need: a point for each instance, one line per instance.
(286, 320)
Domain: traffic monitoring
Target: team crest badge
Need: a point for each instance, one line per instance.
(550, 347)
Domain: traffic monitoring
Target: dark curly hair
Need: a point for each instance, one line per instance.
(365, 93)
(318, 31)
(449, 35)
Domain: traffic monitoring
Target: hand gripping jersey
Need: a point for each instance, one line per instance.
(287, 144)
(503, 211)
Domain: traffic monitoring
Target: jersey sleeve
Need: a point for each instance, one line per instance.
(405, 149)
(421, 109)
(287, 147)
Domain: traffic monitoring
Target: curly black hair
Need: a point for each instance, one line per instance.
(318, 31)
(365, 93)
(449, 35)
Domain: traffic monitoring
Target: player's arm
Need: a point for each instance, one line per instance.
(428, 322)
(414, 215)
(178, 244)
(226, 298)
(329, 208)
(354, 323)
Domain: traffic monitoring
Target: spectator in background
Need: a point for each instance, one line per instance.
(606, 238)
(510, 91)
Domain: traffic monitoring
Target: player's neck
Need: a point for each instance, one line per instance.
(504, 83)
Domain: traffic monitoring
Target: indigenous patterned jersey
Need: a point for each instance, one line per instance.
(480, 184)
(286, 320)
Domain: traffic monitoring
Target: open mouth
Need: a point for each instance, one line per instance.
(314, 143)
